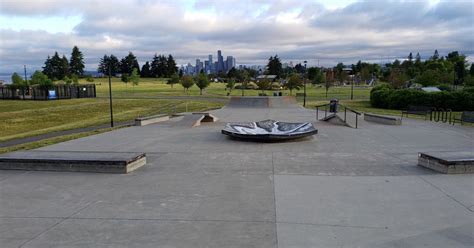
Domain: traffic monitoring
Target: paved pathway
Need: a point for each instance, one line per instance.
(345, 187)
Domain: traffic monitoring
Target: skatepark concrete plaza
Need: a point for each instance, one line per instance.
(343, 187)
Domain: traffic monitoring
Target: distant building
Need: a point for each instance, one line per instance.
(220, 62)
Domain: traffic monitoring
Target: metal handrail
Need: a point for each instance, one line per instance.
(345, 112)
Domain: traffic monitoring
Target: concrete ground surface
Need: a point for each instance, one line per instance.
(344, 187)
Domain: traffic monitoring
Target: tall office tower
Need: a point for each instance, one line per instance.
(207, 69)
(220, 62)
(199, 66)
(230, 62)
(211, 64)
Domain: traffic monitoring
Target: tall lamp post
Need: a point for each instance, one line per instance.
(110, 96)
(304, 85)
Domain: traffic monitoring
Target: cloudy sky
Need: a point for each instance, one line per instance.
(252, 30)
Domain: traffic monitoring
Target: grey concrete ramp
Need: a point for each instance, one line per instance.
(73, 161)
(189, 121)
(262, 102)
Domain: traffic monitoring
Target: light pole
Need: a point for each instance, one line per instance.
(304, 84)
(110, 96)
(352, 87)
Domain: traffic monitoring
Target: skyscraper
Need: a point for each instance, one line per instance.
(211, 68)
(220, 62)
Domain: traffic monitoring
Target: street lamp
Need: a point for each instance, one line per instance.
(110, 96)
(304, 85)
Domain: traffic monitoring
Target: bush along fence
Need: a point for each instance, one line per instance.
(48, 93)
(385, 97)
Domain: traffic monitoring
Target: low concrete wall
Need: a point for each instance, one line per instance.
(446, 166)
(143, 121)
(101, 162)
(382, 119)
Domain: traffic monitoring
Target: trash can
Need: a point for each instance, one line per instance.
(275, 93)
(280, 93)
(333, 105)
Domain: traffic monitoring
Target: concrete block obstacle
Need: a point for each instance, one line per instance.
(461, 162)
(195, 119)
(383, 119)
(73, 161)
(147, 120)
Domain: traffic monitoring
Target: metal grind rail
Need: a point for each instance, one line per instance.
(443, 115)
(334, 111)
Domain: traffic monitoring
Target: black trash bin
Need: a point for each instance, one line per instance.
(333, 105)
(280, 93)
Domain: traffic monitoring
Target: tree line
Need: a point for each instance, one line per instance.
(160, 66)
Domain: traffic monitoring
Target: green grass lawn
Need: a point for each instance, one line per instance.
(19, 119)
(150, 87)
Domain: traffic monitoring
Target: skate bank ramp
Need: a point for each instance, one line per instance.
(262, 102)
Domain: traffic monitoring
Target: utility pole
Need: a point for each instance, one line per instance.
(304, 78)
(26, 79)
(110, 97)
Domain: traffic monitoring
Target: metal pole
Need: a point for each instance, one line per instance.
(110, 98)
(352, 88)
(304, 82)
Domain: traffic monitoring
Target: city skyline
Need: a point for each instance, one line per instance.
(327, 32)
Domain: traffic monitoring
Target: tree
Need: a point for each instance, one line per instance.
(54, 67)
(129, 63)
(187, 82)
(125, 78)
(202, 82)
(159, 66)
(74, 79)
(17, 80)
(313, 73)
(435, 55)
(230, 85)
(397, 78)
(327, 85)
(107, 61)
(232, 73)
(134, 77)
(64, 71)
(146, 70)
(471, 70)
(76, 64)
(171, 67)
(294, 82)
(89, 79)
(264, 84)
(39, 78)
(67, 80)
(274, 66)
(365, 74)
(173, 80)
(243, 77)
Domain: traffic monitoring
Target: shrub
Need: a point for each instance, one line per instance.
(385, 97)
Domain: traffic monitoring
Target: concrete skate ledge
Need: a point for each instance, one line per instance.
(382, 119)
(448, 162)
(72, 161)
(142, 121)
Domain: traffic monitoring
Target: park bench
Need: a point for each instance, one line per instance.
(466, 116)
(418, 110)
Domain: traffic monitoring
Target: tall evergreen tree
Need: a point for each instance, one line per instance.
(107, 61)
(146, 70)
(53, 67)
(64, 72)
(129, 63)
(171, 67)
(435, 55)
(274, 66)
(410, 57)
(48, 67)
(76, 64)
(471, 70)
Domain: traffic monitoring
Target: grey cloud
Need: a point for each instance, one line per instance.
(251, 30)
